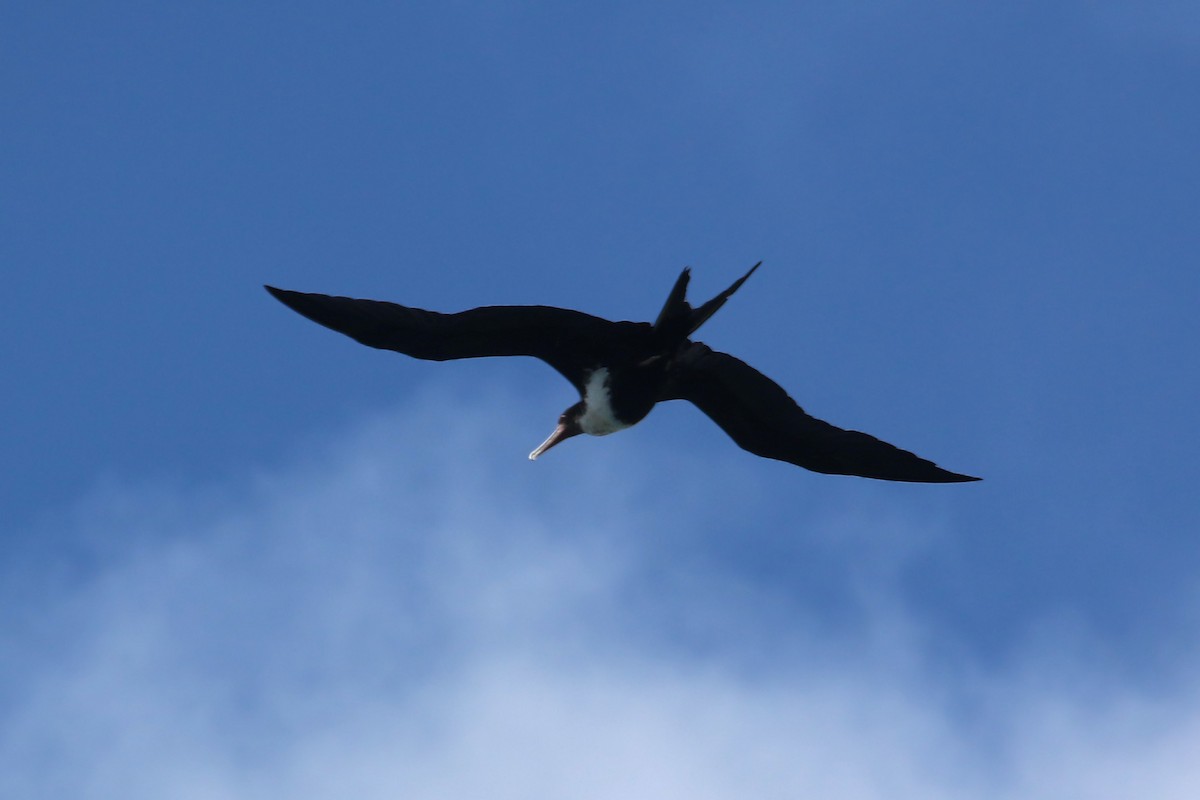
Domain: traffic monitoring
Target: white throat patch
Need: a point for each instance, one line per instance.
(598, 418)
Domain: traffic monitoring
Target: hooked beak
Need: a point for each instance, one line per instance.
(560, 433)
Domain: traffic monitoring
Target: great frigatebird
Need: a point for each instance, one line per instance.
(622, 369)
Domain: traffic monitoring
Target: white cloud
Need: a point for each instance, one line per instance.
(382, 621)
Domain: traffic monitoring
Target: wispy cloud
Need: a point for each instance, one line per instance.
(374, 623)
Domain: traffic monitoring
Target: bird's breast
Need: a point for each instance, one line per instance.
(599, 417)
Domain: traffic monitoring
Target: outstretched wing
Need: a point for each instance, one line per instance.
(570, 341)
(758, 414)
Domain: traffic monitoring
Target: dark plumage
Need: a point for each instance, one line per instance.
(622, 369)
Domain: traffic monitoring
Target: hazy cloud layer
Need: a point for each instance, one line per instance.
(369, 622)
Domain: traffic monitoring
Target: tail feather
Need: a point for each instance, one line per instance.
(678, 320)
(701, 314)
(677, 304)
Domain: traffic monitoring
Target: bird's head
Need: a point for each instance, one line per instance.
(568, 426)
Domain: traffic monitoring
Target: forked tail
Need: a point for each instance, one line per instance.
(678, 320)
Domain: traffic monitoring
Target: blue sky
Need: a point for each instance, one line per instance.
(241, 554)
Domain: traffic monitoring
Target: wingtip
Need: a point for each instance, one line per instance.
(281, 295)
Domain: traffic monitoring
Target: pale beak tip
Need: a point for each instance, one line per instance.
(554, 438)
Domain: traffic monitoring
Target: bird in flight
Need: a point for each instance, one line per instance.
(623, 369)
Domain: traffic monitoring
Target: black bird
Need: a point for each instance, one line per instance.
(622, 369)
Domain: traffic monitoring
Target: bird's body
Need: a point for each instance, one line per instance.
(623, 369)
